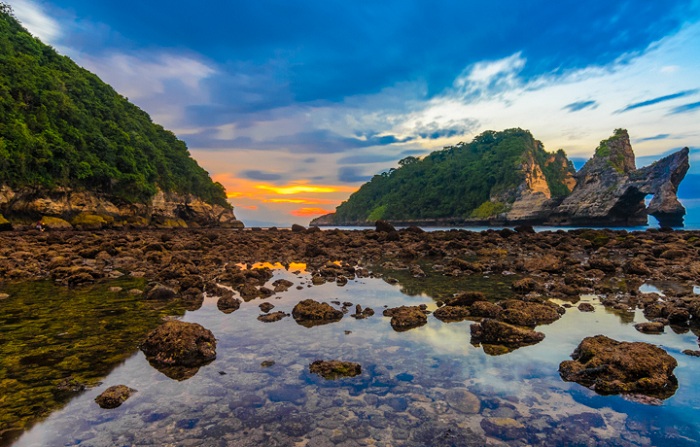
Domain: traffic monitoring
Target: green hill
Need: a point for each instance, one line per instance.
(474, 180)
(61, 126)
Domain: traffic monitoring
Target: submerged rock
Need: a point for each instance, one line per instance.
(503, 428)
(608, 366)
(335, 369)
(271, 318)
(114, 396)
(176, 343)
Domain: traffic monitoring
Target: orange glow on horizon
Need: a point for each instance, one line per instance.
(306, 212)
(303, 188)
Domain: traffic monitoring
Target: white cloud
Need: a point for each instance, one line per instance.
(36, 20)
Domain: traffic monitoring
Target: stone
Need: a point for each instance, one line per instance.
(406, 317)
(266, 307)
(114, 396)
(463, 401)
(159, 292)
(335, 369)
(506, 429)
(586, 307)
(228, 304)
(650, 327)
(177, 343)
(609, 366)
(383, 226)
(451, 313)
(495, 332)
(272, 317)
(313, 312)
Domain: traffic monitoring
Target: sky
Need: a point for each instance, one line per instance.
(292, 105)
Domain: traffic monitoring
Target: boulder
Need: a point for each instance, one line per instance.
(266, 307)
(650, 327)
(335, 369)
(271, 318)
(527, 313)
(177, 343)
(310, 312)
(485, 309)
(160, 292)
(463, 401)
(114, 396)
(451, 313)
(507, 429)
(406, 317)
(383, 226)
(495, 332)
(228, 304)
(609, 366)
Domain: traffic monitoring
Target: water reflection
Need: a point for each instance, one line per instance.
(425, 386)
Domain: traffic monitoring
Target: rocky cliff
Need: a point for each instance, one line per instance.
(610, 190)
(81, 209)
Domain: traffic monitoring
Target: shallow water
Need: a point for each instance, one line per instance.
(414, 389)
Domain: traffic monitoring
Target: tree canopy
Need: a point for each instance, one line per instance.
(61, 126)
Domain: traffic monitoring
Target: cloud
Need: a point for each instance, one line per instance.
(349, 174)
(254, 174)
(650, 102)
(580, 105)
(375, 157)
(37, 21)
(661, 136)
(310, 211)
(685, 108)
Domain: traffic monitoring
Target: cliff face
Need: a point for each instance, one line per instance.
(611, 191)
(67, 208)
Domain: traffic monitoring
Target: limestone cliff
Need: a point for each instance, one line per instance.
(88, 209)
(610, 190)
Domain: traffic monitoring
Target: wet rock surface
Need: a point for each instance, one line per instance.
(114, 396)
(176, 343)
(608, 366)
(313, 313)
(493, 332)
(335, 369)
(407, 317)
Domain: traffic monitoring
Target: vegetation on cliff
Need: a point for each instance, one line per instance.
(468, 180)
(61, 126)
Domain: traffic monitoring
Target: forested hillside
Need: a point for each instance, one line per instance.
(469, 180)
(61, 126)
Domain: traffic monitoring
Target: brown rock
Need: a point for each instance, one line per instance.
(495, 332)
(451, 313)
(611, 367)
(313, 311)
(463, 401)
(335, 369)
(114, 396)
(266, 307)
(650, 327)
(228, 304)
(485, 309)
(406, 317)
(586, 307)
(503, 428)
(271, 318)
(176, 343)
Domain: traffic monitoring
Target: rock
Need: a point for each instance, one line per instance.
(527, 313)
(691, 353)
(160, 292)
(651, 327)
(312, 312)
(228, 304)
(383, 226)
(114, 396)
(335, 369)
(361, 314)
(282, 285)
(465, 299)
(463, 401)
(271, 318)
(524, 285)
(503, 428)
(406, 317)
(495, 332)
(586, 307)
(266, 307)
(451, 313)
(610, 190)
(298, 228)
(611, 367)
(5, 224)
(177, 343)
(485, 309)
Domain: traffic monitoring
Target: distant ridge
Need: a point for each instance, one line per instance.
(65, 133)
(507, 177)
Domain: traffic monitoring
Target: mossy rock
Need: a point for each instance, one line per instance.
(87, 221)
(138, 221)
(5, 224)
(55, 223)
(335, 369)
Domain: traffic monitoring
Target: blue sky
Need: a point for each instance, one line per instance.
(294, 104)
